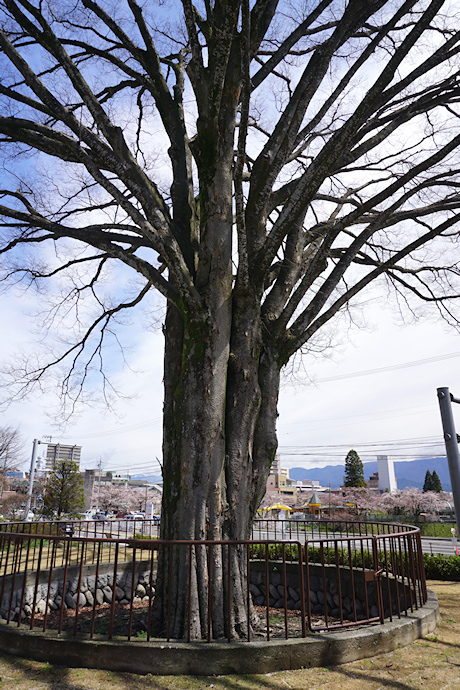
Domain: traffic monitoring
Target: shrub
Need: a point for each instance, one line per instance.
(439, 567)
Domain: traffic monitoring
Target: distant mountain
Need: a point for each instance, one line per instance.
(409, 473)
(148, 478)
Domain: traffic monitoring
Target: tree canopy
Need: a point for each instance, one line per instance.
(432, 482)
(64, 489)
(11, 448)
(437, 486)
(258, 163)
(354, 471)
(428, 483)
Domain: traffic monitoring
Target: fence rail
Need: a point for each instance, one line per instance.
(301, 579)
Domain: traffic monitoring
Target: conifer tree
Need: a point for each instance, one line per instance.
(64, 489)
(436, 482)
(428, 485)
(354, 471)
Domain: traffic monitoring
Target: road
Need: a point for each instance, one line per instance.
(434, 545)
(437, 545)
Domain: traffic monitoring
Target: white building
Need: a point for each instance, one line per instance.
(386, 472)
(60, 451)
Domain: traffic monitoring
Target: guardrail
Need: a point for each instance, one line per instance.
(338, 575)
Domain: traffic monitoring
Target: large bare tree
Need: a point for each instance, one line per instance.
(11, 452)
(260, 163)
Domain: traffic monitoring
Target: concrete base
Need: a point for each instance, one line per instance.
(217, 658)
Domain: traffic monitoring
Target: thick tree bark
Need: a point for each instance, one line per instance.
(223, 469)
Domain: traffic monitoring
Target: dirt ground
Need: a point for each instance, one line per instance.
(430, 663)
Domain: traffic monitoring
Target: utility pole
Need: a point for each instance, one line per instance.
(99, 483)
(451, 440)
(33, 460)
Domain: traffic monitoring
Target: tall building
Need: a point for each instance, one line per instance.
(59, 451)
(386, 472)
(279, 479)
(276, 465)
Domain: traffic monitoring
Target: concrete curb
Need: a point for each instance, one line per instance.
(218, 658)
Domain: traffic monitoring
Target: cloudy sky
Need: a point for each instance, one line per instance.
(375, 391)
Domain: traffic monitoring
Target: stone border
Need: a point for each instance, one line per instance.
(178, 658)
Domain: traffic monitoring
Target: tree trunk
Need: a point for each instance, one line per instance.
(219, 442)
(221, 389)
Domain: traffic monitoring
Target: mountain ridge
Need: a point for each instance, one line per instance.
(409, 473)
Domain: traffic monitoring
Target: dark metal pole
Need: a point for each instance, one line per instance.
(450, 438)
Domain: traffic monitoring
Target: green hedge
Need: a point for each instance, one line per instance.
(438, 567)
(275, 553)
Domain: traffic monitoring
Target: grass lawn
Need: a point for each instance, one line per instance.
(431, 663)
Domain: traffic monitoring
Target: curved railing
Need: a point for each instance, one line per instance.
(301, 576)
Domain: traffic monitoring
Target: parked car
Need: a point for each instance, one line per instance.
(156, 519)
(100, 515)
(122, 513)
(87, 515)
(134, 516)
(21, 514)
(297, 516)
(67, 528)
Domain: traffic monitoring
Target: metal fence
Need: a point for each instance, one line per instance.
(298, 578)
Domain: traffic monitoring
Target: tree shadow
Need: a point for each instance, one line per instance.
(56, 677)
(443, 642)
(246, 681)
(369, 678)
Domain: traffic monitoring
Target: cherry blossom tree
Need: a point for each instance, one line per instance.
(115, 498)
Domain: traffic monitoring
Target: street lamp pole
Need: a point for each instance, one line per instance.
(33, 460)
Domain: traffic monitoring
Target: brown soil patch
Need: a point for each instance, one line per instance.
(99, 621)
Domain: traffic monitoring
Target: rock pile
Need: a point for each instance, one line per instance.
(87, 594)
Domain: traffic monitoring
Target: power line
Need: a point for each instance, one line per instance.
(391, 367)
(422, 440)
(419, 447)
(379, 413)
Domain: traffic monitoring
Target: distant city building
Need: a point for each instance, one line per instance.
(279, 480)
(373, 482)
(276, 465)
(387, 477)
(60, 451)
(309, 484)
